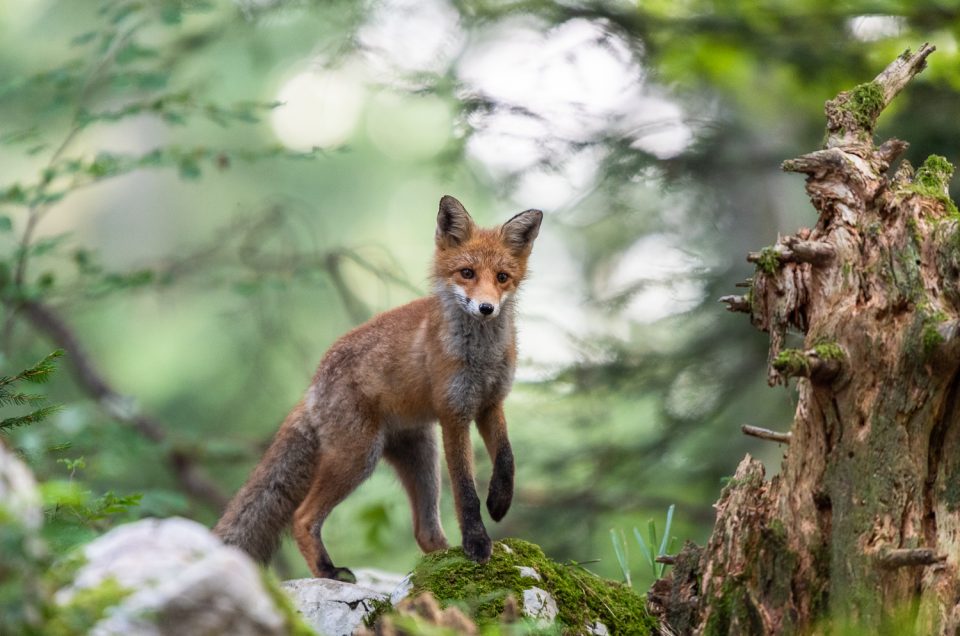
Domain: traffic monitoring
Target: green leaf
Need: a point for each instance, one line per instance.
(647, 551)
(30, 418)
(14, 194)
(41, 371)
(146, 80)
(5, 223)
(666, 530)
(46, 280)
(125, 10)
(620, 550)
(19, 399)
(47, 245)
(111, 504)
(83, 38)
(60, 492)
(171, 13)
(133, 52)
(189, 168)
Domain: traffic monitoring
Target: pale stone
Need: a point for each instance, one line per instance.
(402, 590)
(19, 496)
(528, 572)
(333, 608)
(378, 580)
(179, 580)
(539, 605)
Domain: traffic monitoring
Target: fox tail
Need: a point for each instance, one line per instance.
(260, 511)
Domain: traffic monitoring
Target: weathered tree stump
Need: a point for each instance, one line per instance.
(863, 521)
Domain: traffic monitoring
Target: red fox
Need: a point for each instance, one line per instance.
(449, 357)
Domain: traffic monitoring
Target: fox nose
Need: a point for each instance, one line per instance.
(486, 309)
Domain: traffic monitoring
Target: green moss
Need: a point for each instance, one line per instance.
(293, 622)
(914, 229)
(935, 172)
(902, 270)
(829, 351)
(865, 102)
(951, 492)
(791, 362)
(932, 180)
(380, 607)
(930, 337)
(480, 590)
(733, 612)
(769, 260)
(85, 609)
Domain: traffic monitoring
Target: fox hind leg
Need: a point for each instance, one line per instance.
(414, 456)
(343, 465)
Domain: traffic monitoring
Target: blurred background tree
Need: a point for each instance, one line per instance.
(198, 197)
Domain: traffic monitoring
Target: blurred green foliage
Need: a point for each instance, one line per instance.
(205, 266)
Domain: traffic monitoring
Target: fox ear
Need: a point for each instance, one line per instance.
(518, 233)
(454, 225)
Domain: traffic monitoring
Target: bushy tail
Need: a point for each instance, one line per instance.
(257, 515)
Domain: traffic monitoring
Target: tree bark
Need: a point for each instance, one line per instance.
(863, 522)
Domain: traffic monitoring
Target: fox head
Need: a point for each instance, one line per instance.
(481, 268)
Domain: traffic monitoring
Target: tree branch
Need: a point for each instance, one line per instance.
(736, 303)
(910, 557)
(766, 434)
(852, 115)
(903, 69)
(818, 365)
(813, 252)
(120, 407)
(796, 250)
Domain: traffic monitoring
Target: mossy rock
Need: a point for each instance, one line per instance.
(481, 589)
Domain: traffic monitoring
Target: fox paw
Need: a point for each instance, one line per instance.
(477, 546)
(498, 499)
(339, 574)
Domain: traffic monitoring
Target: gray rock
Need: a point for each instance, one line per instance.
(378, 580)
(403, 589)
(539, 605)
(333, 608)
(597, 629)
(19, 496)
(528, 572)
(177, 579)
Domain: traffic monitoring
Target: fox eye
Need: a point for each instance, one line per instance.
(502, 277)
(467, 273)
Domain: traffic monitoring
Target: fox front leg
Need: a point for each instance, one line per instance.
(456, 446)
(493, 429)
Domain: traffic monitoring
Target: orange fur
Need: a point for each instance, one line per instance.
(449, 357)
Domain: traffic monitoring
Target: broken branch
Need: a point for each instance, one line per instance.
(736, 303)
(820, 364)
(813, 252)
(910, 557)
(766, 434)
(794, 250)
(122, 408)
(900, 71)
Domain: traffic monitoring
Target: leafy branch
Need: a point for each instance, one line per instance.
(39, 373)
